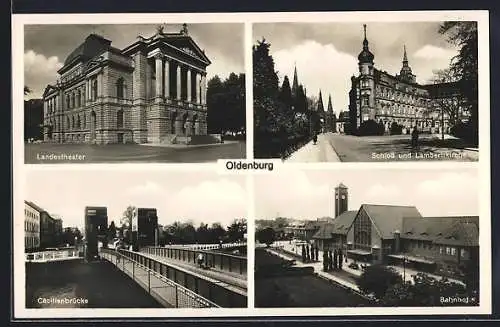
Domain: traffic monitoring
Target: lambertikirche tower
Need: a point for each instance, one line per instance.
(386, 99)
(152, 91)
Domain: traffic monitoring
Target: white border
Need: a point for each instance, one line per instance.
(483, 164)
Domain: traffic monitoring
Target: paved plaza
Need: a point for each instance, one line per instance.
(348, 280)
(332, 147)
(114, 153)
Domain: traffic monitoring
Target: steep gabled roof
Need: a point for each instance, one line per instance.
(338, 225)
(344, 221)
(325, 232)
(443, 230)
(389, 218)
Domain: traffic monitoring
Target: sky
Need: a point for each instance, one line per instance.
(326, 53)
(47, 46)
(309, 194)
(177, 195)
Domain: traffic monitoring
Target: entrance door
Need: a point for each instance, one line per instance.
(120, 138)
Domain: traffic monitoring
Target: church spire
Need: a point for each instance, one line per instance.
(320, 103)
(365, 41)
(295, 83)
(330, 106)
(406, 73)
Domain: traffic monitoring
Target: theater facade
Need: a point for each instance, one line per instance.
(386, 99)
(397, 235)
(152, 91)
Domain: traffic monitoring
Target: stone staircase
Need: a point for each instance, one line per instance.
(168, 139)
(191, 140)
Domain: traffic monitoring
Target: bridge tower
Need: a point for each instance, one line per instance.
(96, 226)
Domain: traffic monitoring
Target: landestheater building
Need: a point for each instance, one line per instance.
(391, 234)
(152, 91)
(385, 98)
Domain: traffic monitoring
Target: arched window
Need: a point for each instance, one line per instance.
(72, 100)
(120, 88)
(94, 89)
(73, 122)
(119, 119)
(78, 98)
(78, 122)
(67, 102)
(84, 118)
(68, 122)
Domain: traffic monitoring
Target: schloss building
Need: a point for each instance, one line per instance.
(152, 91)
(379, 96)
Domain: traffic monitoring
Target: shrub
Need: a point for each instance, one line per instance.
(377, 279)
(371, 128)
(396, 129)
(465, 131)
(266, 236)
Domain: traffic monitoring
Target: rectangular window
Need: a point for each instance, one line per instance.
(463, 253)
(448, 250)
(453, 251)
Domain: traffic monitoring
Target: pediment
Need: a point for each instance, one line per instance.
(189, 47)
(48, 90)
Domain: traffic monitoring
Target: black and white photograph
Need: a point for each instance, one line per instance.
(366, 91)
(134, 93)
(153, 240)
(396, 238)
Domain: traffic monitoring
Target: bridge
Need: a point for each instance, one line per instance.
(53, 255)
(170, 275)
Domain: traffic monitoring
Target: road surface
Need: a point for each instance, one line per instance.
(339, 147)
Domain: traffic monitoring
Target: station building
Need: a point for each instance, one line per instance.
(391, 234)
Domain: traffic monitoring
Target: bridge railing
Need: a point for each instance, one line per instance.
(53, 255)
(175, 287)
(210, 246)
(221, 261)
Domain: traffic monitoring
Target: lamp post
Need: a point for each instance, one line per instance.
(404, 269)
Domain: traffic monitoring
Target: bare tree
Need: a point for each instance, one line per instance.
(449, 105)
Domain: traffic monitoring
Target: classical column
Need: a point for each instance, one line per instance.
(167, 78)
(204, 89)
(159, 75)
(99, 85)
(198, 84)
(178, 81)
(188, 85)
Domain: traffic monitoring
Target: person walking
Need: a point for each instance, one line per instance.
(325, 260)
(200, 260)
(317, 253)
(335, 257)
(303, 253)
(414, 138)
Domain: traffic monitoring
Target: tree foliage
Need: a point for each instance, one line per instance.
(376, 279)
(464, 66)
(426, 291)
(266, 236)
(226, 104)
(278, 111)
